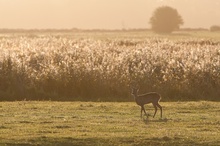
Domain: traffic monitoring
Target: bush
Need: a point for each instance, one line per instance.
(215, 28)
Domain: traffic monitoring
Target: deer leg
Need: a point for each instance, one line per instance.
(160, 109)
(141, 111)
(144, 110)
(155, 107)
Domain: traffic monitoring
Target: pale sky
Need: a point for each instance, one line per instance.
(102, 14)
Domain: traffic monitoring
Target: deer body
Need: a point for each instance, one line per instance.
(147, 98)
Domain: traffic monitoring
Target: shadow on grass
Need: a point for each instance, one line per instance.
(148, 120)
(135, 141)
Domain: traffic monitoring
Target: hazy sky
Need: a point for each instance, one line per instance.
(103, 14)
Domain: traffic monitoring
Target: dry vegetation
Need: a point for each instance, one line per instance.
(61, 67)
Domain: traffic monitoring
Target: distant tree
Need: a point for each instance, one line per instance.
(165, 20)
(215, 28)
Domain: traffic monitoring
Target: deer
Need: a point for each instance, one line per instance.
(151, 97)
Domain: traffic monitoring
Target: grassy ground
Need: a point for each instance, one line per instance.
(100, 123)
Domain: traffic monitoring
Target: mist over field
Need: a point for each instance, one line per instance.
(102, 14)
(78, 72)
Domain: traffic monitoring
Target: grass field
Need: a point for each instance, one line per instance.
(108, 123)
(100, 66)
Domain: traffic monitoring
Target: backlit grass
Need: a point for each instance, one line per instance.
(100, 66)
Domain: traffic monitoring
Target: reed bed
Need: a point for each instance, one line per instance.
(63, 68)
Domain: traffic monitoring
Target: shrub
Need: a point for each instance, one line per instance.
(215, 28)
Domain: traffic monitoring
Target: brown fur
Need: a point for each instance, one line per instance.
(143, 99)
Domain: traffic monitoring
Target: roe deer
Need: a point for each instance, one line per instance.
(143, 99)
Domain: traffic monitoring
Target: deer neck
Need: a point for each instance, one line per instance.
(135, 96)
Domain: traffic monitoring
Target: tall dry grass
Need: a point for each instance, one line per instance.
(63, 68)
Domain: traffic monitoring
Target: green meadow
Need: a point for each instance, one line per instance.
(108, 123)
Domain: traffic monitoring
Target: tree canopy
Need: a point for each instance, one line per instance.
(165, 19)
